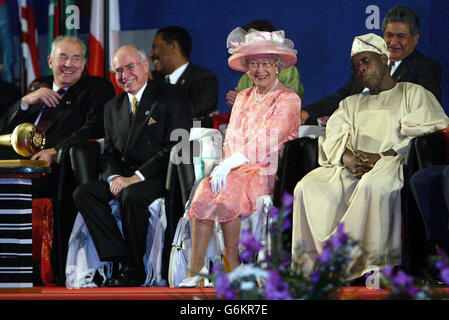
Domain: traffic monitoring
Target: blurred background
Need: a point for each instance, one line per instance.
(322, 30)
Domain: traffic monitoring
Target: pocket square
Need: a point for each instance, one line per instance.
(151, 121)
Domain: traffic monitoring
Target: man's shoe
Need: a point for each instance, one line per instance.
(127, 277)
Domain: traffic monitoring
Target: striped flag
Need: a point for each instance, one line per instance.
(29, 40)
(69, 31)
(6, 45)
(114, 40)
(53, 25)
(96, 38)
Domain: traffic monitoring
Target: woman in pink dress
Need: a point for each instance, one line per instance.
(262, 119)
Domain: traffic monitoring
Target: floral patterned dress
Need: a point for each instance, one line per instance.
(257, 130)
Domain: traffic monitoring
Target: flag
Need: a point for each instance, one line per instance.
(6, 44)
(53, 25)
(29, 40)
(96, 38)
(69, 31)
(114, 40)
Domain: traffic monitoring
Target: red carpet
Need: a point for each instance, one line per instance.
(131, 293)
(156, 293)
(151, 293)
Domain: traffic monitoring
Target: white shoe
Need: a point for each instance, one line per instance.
(195, 281)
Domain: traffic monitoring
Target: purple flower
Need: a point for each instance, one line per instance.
(274, 213)
(445, 275)
(252, 246)
(223, 288)
(286, 224)
(287, 202)
(341, 235)
(338, 240)
(400, 280)
(276, 288)
(443, 265)
(388, 272)
(403, 281)
(325, 256)
(315, 276)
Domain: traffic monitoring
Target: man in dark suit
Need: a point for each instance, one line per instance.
(171, 51)
(138, 124)
(73, 114)
(401, 32)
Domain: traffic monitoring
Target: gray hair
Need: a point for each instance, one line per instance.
(74, 38)
(140, 52)
(277, 61)
(404, 15)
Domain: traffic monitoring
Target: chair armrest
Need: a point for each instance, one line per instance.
(84, 160)
(430, 149)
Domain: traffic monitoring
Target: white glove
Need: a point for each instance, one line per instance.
(220, 172)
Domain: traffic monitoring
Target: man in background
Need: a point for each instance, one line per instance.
(400, 29)
(170, 55)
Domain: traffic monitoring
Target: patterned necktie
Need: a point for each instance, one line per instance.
(134, 105)
(47, 114)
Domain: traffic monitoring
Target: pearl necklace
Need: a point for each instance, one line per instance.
(258, 99)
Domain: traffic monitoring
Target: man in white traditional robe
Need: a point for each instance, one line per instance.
(360, 176)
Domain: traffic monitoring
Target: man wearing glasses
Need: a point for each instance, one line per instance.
(400, 29)
(138, 124)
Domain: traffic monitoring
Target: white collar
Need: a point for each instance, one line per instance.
(138, 94)
(175, 75)
(56, 88)
(396, 65)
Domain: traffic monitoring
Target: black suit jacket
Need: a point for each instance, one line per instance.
(78, 117)
(143, 142)
(415, 68)
(201, 87)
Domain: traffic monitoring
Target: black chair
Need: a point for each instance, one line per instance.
(63, 206)
(81, 164)
(299, 156)
(430, 150)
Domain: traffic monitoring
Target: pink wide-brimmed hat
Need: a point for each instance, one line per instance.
(242, 44)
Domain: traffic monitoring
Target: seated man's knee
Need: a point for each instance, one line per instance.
(79, 194)
(130, 195)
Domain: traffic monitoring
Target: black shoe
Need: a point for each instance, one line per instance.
(128, 276)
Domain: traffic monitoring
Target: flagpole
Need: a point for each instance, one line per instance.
(62, 17)
(106, 39)
(22, 69)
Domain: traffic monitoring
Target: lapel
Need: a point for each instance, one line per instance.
(67, 101)
(144, 111)
(183, 78)
(404, 67)
(123, 118)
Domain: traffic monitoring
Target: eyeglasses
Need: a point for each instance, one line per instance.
(129, 67)
(355, 66)
(254, 64)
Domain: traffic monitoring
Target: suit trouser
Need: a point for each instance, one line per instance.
(430, 188)
(92, 201)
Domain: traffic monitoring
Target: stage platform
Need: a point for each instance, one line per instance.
(152, 293)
